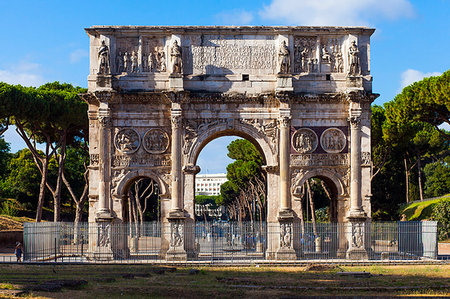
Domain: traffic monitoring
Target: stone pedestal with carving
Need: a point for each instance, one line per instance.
(176, 250)
(286, 250)
(102, 232)
(356, 239)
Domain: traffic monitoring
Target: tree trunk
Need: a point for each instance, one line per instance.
(419, 174)
(311, 204)
(57, 194)
(407, 180)
(42, 187)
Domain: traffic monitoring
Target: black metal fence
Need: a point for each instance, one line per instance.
(223, 241)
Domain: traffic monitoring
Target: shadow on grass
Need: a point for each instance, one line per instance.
(221, 282)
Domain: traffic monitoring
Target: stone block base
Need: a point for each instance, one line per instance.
(176, 255)
(357, 254)
(285, 254)
(284, 83)
(176, 83)
(102, 254)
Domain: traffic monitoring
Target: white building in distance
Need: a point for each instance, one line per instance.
(209, 184)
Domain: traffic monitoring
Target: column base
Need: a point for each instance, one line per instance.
(102, 254)
(357, 254)
(176, 254)
(284, 254)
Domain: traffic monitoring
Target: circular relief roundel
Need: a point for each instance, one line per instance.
(127, 141)
(333, 140)
(156, 141)
(304, 140)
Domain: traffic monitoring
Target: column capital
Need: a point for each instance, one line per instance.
(176, 118)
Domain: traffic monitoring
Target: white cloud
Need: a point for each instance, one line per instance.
(410, 76)
(235, 17)
(78, 55)
(24, 73)
(335, 13)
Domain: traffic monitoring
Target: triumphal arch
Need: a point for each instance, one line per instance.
(302, 95)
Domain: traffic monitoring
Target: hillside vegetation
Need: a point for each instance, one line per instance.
(423, 210)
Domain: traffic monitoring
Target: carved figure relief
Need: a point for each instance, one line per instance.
(353, 58)
(127, 141)
(94, 159)
(285, 235)
(326, 57)
(154, 61)
(156, 141)
(176, 56)
(134, 62)
(305, 60)
(366, 159)
(319, 160)
(270, 129)
(357, 235)
(176, 236)
(284, 61)
(337, 63)
(140, 160)
(333, 140)
(103, 59)
(104, 232)
(304, 140)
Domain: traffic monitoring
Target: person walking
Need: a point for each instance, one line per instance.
(18, 252)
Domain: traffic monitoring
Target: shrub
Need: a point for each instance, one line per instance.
(8, 208)
(441, 214)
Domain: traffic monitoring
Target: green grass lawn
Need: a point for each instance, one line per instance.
(421, 210)
(116, 281)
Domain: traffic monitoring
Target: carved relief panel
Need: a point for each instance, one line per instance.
(331, 55)
(304, 140)
(153, 55)
(333, 140)
(305, 58)
(156, 141)
(212, 54)
(126, 55)
(127, 141)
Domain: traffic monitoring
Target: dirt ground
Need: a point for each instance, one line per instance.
(146, 281)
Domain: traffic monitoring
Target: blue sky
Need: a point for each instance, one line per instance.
(45, 41)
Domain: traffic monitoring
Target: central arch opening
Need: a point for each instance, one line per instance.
(231, 195)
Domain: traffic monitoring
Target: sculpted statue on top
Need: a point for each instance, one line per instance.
(177, 63)
(284, 59)
(353, 53)
(103, 58)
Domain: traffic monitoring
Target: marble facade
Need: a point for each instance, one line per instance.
(158, 94)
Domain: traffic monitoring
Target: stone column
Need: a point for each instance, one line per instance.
(176, 119)
(176, 214)
(104, 198)
(102, 229)
(355, 166)
(285, 215)
(285, 202)
(356, 226)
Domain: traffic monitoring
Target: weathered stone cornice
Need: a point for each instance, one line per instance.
(275, 30)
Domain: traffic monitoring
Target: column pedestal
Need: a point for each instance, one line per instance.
(102, 231)
(356, 238)
(286, 250)
(176, 250)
